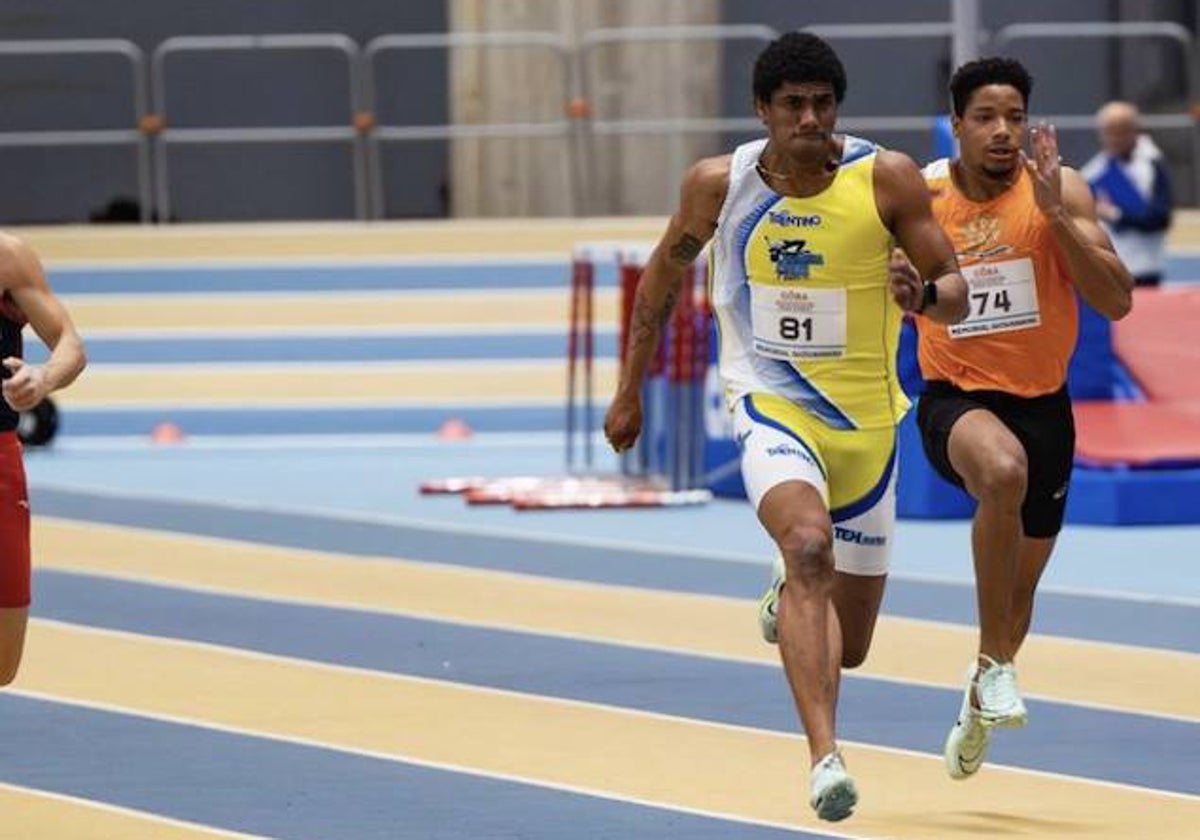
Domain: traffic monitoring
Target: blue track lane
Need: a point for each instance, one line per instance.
(1061, 738)
(1169, 626)
(163, 279)
(304, 420)
(346, 278)
(283, 790)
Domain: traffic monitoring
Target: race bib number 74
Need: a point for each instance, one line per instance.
(1003, 297)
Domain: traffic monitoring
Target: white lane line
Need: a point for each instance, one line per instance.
(308, 442)
(208, 405)
(139, 264)
(341, 296)
(545, 539)
(533, 629)
(513, 329)
(508, 694)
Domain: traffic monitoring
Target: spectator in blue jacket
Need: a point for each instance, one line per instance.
(1133, 191)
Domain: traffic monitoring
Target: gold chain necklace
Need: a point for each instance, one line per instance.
(830, 166)
(768, 174)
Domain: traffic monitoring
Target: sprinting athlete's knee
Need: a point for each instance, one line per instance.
(807, 552)
(1004, 479)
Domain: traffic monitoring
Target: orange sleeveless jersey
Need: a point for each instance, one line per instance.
(1006, 251)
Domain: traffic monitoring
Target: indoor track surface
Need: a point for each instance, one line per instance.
(265, 631)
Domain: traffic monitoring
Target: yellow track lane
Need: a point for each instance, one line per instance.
(421, 383)
(29, 813)
(675, 762)
(322, 240)
(904, 649)
(331, 310)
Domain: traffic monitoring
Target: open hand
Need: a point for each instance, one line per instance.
(1045, 167)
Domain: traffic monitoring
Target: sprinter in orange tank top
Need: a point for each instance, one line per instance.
(995, 417)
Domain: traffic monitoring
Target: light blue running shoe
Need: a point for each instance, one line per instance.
(967, 743)
(833, 794)
(768, 605)
(1000, 703)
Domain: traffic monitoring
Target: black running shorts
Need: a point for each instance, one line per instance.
(1044, 425)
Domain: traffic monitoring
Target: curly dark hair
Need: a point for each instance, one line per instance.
(988, 71)
(797, 57)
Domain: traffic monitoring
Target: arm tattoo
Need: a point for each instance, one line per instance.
(648, 320)
(686, 249)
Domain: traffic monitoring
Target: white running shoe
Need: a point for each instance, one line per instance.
(833, 795)
(768, 605)
(1000, 703)
(967, 744)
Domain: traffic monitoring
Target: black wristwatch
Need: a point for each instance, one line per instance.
(928, 296)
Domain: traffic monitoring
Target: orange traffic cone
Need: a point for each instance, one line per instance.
(166, 433)
(454, 429)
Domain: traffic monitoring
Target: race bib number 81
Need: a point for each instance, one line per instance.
(798, 324)
(1003, 297)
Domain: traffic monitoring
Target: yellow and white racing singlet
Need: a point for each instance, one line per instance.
(800, 290)
(808, 332)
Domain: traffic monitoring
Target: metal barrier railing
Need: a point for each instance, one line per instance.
(350, 133)
(754, 32)
(93, 137)
(1134, 29)
(449, 131)
(152, 133)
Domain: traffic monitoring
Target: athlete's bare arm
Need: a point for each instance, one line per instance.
(1064, 198)
(904, 205)
(21, 276)
(701, 197)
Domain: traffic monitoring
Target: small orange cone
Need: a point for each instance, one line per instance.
(454, 429)
(166, 433)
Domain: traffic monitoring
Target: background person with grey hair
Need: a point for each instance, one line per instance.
(1129, 178)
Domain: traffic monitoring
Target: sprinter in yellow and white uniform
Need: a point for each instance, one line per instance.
(808, 333)
(808, 304)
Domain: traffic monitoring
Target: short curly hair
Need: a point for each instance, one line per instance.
(988, 71)
(797, 57)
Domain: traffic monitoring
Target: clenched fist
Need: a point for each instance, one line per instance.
(25, 386)
(623, 422)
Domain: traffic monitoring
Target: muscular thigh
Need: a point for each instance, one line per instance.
(852, 471)
(962, 435)
(1046, 428)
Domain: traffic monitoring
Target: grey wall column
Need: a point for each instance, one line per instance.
(965, 16)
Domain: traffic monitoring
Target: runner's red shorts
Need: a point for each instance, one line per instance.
(14, 524)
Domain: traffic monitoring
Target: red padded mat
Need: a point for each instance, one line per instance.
(1137, 434)
(1159, 342)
